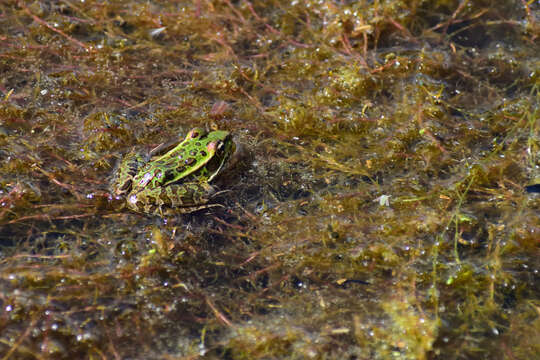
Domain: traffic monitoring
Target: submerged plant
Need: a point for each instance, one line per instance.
(378, 208)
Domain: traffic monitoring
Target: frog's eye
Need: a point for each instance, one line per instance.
(193, 134)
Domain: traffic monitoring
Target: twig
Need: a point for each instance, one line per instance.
(20, 339)
(47, 217)
(218, 314)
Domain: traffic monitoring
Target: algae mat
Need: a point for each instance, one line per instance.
(381, 204)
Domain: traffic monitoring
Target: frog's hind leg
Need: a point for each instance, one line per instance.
(187, 195)
(126, 170)
(179, 198)
(191, 197)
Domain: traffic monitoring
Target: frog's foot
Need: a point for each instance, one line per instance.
(190, 209)
(218, 193)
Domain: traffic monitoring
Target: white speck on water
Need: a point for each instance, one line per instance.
(155, 32)
(383, 200)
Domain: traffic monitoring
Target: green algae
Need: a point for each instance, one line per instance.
(377, 210)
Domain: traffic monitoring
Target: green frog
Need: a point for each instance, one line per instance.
(176, 177)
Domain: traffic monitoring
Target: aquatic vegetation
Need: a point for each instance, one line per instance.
(378, 208)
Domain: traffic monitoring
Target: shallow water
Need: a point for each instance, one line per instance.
(377, 208)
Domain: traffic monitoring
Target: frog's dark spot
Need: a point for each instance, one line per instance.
(193, 152)
(203, 153)
(169, 176)
(197, 144)
(180, 169)
(124, 186)
(190, 161)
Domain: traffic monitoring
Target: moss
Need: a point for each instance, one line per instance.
(377, 208)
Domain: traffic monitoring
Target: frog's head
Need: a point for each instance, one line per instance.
(199, 158)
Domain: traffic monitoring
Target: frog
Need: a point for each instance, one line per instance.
(177, 177)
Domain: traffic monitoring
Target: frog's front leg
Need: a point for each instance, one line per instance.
(182, 198)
